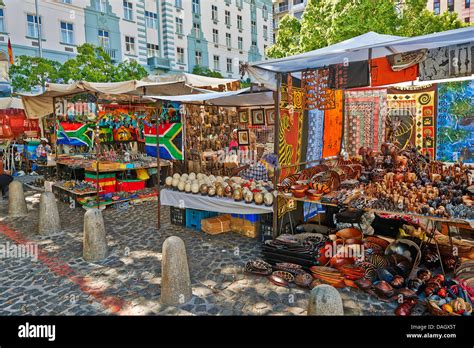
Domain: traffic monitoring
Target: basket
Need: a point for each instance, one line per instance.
(130, 185)
(436, 311)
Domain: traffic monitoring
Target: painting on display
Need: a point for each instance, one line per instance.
(455, 124)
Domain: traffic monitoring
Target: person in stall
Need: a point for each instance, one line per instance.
(263, 169)
(43, 150)
(5, 179)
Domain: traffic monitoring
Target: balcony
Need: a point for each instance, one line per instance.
(281, 9)
(159, 63)
(112, 53)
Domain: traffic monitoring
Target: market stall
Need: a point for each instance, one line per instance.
(382, 157)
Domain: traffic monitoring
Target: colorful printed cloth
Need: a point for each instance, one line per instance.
(75, 134)
(413, 111)
(315, 135)
(381, 73)
(445, 62)
(364, 119)
(255, 172)
(351, 75)
(171, 141)
(333, 119)
(455, 124)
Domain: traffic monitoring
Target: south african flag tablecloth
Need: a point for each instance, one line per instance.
(171, 141)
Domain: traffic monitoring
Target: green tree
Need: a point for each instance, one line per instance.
(326, 22)
(129, 70)
(287, 41)
(199, 70)
(29, 72)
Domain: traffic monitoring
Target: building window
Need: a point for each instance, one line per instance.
(254, 27)
(265, 12)
(179, 26)
(436, 8)
(152, 50)
(467, 3)
(66, 1)
(129, 45)
(178, 3)
(151, 20)
(2, 20)
(104, 40)
(180, 54)
(217, 64)
(198, 58)
(450, 5)
(229, 65)
(467, 20)
(227, 17)
(215, 36)
(228, 40)
(196, 7)
(128, 10)
(197, 30)
(265, 32)
(240, 43)
(101, 6)
(33, 25)
(67, 33)
(239, 22)
(214, 14)
(239, 3)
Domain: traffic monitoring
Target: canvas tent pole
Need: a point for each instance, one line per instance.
(55, 135)
(276, 97)
(97, 140)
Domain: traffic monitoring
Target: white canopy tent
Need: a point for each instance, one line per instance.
(363, 47)
(10, 103)
(38, 105)
(241, 98)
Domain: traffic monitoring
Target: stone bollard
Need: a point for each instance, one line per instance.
(49, 222)
(16, 200)
(175, 279)
(95, 243)
(325, 300)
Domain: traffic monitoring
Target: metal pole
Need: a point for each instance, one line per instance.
(97, 149)
(55, 135)
(276, 97)
(40, 44)
(158, 174)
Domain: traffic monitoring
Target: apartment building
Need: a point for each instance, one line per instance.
(284, 7)
(163, 35)
(463, 8)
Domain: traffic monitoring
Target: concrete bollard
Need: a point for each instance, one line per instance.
(95, 243)
(175, 279)
(16, 200)
(325, 300)
(49, 222)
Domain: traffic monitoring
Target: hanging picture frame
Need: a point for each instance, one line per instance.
(244, 116)
(270, 117)
(258, 117)
(243, 137)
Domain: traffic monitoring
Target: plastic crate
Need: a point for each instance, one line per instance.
(130, 185)
(250, 217)
(194, 217)
(178, 216)
(93, 175)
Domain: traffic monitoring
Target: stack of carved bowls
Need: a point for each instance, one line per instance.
(328, 275)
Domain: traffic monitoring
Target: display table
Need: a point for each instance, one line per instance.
(217, 204)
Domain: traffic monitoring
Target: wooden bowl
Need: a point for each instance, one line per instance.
(299, 191)
(349, 233)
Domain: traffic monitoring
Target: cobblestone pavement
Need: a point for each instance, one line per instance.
(128, 280)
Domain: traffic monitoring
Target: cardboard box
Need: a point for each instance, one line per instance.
(216, 225)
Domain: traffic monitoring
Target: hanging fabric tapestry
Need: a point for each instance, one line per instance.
(170, 112)
(455, 122)
(315, 135)
(436, 65)
(411, 117)
(350, 75)
(309, 80)
(364, 119)
(171, 141)
(333, 128)
(382, 74)
(405, 60)
(75, 134)
(460, 60)
(290, 135)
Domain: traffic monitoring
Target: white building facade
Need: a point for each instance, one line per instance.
(162, 35)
